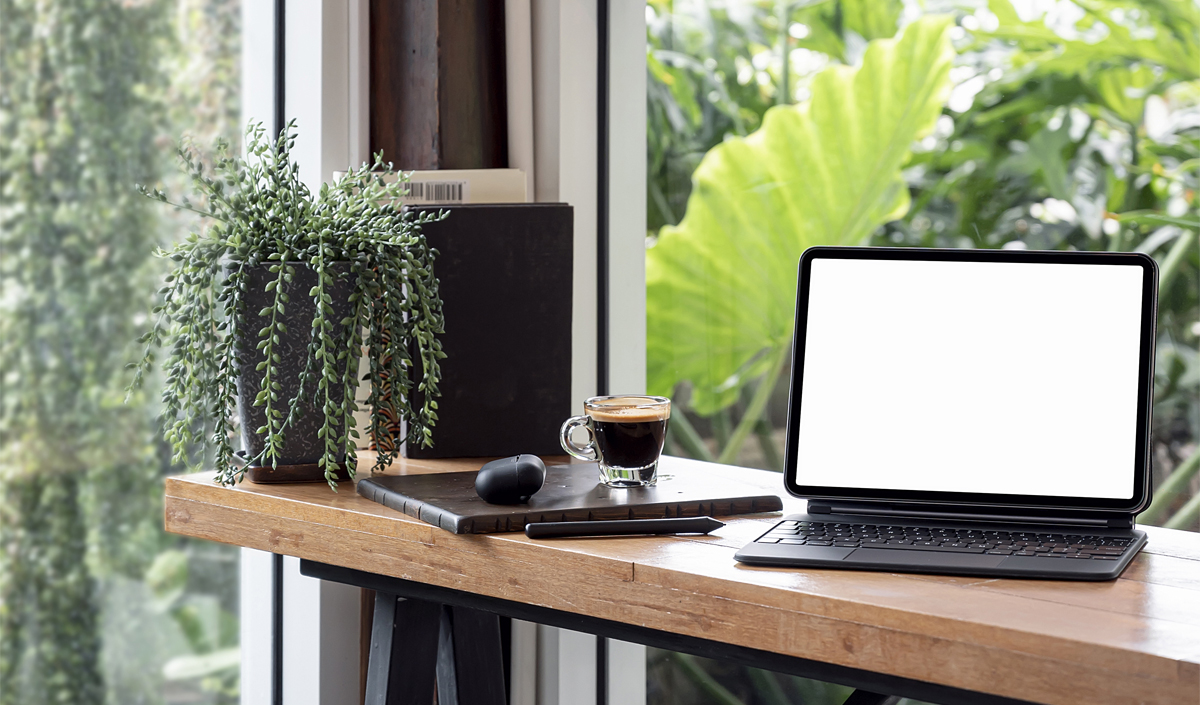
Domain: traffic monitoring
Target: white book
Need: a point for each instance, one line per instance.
(452, 186)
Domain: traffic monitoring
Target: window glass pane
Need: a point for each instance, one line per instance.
(775, 125)
(97, 603)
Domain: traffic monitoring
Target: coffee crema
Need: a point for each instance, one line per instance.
(629, 414)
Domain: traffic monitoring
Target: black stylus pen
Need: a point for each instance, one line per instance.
(622, 527)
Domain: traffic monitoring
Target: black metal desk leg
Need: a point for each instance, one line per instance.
(447, 682)
(403, 658)
(470, 659)
(862, 697)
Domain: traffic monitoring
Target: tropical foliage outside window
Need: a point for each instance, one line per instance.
(97, 603)
(775, 125)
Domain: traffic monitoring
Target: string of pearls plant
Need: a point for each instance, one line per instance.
(263, 214)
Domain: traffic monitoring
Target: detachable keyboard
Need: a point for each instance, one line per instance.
(973, 549)
(920, 538)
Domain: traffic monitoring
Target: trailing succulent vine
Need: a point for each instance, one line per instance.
(262, 214)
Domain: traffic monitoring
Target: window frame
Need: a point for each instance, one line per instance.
(309, 60)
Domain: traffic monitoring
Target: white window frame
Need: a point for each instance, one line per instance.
(326, 90)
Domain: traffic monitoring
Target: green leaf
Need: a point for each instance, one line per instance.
(872, 19)
(1146, 217)
(1169, 37)
(721, 285)
(1123, 89)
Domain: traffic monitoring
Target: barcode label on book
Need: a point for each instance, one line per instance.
(436, 192)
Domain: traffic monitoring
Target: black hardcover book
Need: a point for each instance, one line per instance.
(504, 272)
(571, 493)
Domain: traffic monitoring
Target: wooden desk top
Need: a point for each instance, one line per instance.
(1132, 640)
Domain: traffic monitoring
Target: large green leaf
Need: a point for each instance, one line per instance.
(721, 285)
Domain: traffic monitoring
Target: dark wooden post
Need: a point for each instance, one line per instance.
(437, 82)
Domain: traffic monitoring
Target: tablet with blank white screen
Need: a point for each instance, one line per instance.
(986, 377)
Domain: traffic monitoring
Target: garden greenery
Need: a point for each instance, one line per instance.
(78, 120)
(1051, 129)
(263, 215)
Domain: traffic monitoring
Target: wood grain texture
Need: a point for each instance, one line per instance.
(472, 78)
(437, 83)
(403, 81)
(1133, 640)
(572, 492)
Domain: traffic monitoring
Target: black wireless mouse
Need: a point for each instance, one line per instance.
(510, 480)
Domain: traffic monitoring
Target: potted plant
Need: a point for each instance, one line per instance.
(266, 311)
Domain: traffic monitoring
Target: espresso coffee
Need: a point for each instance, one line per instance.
(625, 437)
(629, 437)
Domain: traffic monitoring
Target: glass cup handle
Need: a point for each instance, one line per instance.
(586, 452)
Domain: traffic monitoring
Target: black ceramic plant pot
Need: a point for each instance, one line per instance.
(301, 448)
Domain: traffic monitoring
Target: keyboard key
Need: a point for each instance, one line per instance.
(1051, 555)
(812, 542)
(768, 540)
(999, 552)
(793, 542)
(846, 544)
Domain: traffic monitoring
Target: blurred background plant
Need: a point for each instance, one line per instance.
(97, 603)
(1060, 124)
(1064, 125)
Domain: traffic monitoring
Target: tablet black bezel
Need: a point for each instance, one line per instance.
(1141, 490)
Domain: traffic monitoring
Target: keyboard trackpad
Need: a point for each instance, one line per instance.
(883, 556)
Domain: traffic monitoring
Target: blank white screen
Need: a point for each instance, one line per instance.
(981, 377)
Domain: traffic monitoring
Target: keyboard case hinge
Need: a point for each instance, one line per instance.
(1107, 520)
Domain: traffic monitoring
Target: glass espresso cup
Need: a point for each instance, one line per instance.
(625, 436)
